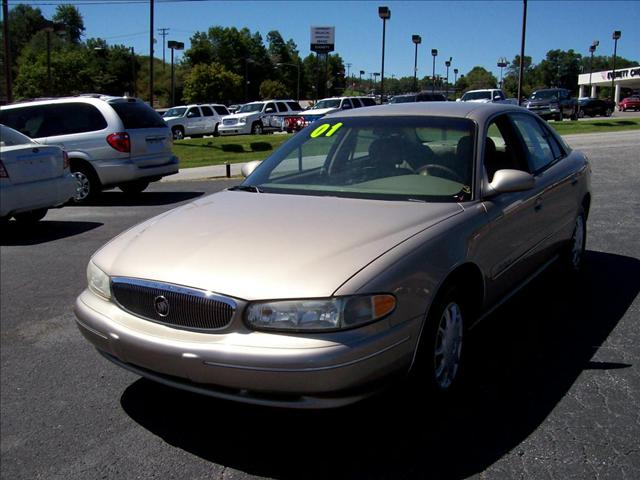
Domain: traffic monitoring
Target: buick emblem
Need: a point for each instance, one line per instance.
(161, 304)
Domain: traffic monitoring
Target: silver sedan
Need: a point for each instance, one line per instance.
(33, 177)
(362, 250)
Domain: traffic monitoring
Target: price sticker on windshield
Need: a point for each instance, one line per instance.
(325, 130)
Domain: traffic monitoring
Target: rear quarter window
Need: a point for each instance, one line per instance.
(55, 119)
(206, 111)
(221, 110)
(137, 115)
(295, 106)
(368, 102)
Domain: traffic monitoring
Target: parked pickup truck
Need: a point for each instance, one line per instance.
(488, 95)
(553, 103)
(258, 117)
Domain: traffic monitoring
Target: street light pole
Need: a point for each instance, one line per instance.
(616, 36)
(502, 62)
(448, 64)
(434, 54)
(592, 49)
(524, 31)
(151, 53)
(455, 80)
(385, 14)
(362, 72)
(173, 45)
(417, 39)
(133, 73)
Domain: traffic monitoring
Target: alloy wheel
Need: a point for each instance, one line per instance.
(448, 346)
(577, 245)
(83, 187)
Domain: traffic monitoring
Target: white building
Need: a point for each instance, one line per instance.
(624, 78)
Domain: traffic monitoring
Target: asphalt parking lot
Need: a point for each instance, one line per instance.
(554, 389)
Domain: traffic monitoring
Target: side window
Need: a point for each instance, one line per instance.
(502, 148)
(356, 102)
(268, 106)
(556, 147)
(368, 102)
(537, 148)
(295, 106)
(193, 112)
(206, 111)
(282, 107)
(346, 104)
(220, 110)
(26, 120)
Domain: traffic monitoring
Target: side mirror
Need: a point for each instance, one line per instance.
(458, 99)
(346, 106)
(496, 97)
(508, 180)
(269, 110)
(248, 168)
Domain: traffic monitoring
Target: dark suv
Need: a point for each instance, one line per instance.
(553, 103)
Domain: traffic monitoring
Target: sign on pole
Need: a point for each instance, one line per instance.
(322, 39)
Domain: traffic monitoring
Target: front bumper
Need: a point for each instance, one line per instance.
(115, 172)
(293, 371)
(236, 129)
(29, 196)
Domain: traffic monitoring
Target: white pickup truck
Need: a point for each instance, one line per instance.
(258, 117)
(488, 95)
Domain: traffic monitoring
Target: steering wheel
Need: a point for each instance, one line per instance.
(451, 174)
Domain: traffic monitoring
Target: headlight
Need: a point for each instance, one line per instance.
(242, 120)
(98, 281)
(336, 313)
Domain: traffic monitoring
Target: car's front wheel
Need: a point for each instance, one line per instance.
(439, 360)
(87, 186)
(178, 133)
(257, 129)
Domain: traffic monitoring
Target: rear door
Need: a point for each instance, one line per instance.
(149, 136)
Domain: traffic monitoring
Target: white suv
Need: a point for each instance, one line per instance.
(192, 120)
(111, 141)
(258, 117)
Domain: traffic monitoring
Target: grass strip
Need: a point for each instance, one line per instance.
(601, 125)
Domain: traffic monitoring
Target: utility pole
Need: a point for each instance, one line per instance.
(163, 33)
(7, 50)
(151, 53)
(524, 32)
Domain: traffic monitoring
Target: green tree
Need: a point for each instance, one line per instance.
(560, 69)
(479, 78)
(274, 89)
(211, 83)
(70, 17)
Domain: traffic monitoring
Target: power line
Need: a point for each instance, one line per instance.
(164, 32)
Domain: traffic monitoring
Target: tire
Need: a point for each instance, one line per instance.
(581, 113)
(215, 131)
(178, 133)
(256, 128)
(608, 112)
(558, 117)
(573, 256)
(31, 217)
(88, 184)
(134, 188)
(439, 360)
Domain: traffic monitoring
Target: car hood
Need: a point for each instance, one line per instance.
(171, 118)
(319, 111)
(542, 101)
(241, 115)
(265, 246)
(478, 100)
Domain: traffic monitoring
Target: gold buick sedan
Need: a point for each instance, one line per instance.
(361, 250)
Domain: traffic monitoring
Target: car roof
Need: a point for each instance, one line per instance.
(479, 112)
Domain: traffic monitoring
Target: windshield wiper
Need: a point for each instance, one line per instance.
(247, 188)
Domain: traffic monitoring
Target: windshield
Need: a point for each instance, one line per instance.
(250, 107)
(397, 158)
(175, 112)
(476, 96)
(403, 99)
(544, 95)
(332, 103)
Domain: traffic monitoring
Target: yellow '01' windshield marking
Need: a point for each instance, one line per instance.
(325, 129)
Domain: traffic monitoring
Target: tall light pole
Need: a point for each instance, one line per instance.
(502, 62)
(448, 64)
(298, 85)
(524, 31)
(417, 39)
(455, 80)
(616, 36)
(385, 14)
(151, 40)
(49, 27)
(7, 50)
(362, 72)
(592, 50)
(134, 83)
(434, 54)
(173, 45)
(375, 80)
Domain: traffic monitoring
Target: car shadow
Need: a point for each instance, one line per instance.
(14, 233)
(117, 198)
(526, 357)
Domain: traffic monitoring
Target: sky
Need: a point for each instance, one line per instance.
(471, 32)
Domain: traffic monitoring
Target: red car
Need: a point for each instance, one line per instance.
(629, 103)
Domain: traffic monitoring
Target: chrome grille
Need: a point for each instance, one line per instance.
(229, 121)
(185, 308)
